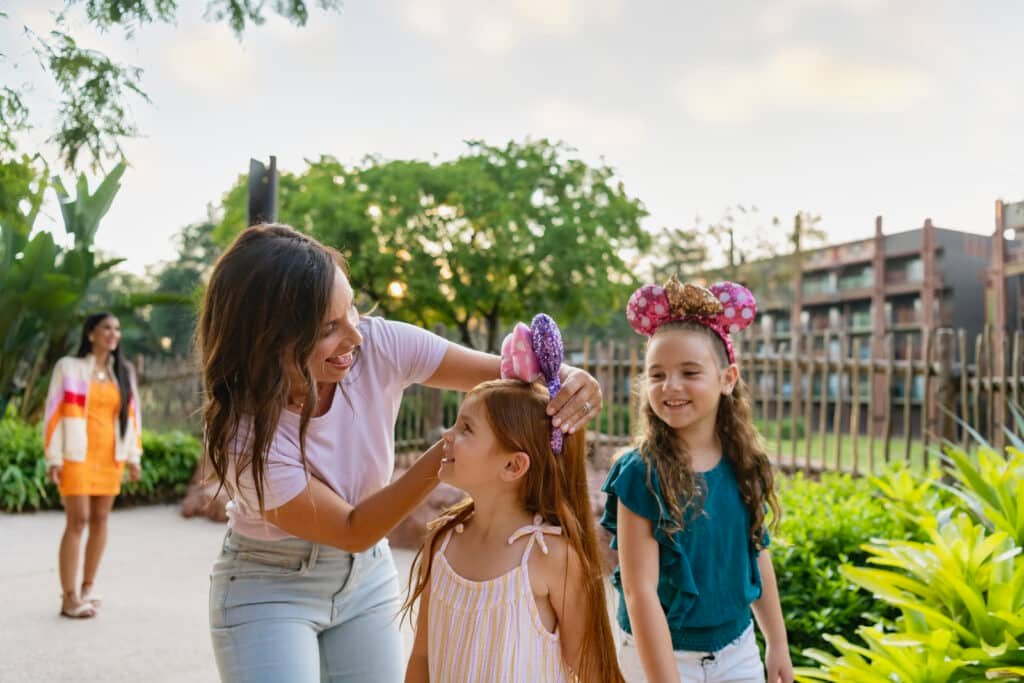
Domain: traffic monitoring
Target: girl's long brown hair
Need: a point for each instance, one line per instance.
(263, 311)
(666, 454)
(555, 487)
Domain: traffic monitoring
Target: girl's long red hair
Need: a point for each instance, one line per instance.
(555, 487)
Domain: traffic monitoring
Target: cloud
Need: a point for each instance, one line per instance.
(561, 119)
(211, 58)
(495, 28)
(801, 80)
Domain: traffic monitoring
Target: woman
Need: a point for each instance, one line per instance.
(91, 433)
(301, 399)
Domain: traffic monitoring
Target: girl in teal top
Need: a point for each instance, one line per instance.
(687, 507)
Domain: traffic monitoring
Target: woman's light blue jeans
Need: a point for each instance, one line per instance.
(292, 610)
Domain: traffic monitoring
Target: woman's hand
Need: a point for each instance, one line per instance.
(578, 401)
(53, 474)
(134, 471)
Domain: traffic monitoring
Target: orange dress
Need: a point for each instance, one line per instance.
(100, 474)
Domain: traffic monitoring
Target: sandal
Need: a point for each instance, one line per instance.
(87, 596)
(82, 610)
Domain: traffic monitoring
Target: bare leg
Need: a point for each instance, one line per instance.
(77, 511)
(99, 512)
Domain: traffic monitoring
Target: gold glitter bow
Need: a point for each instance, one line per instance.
(691, 300)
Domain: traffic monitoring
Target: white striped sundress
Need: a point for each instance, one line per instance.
(490, 631)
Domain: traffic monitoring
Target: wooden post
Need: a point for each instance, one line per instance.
(872, 371)
(619, 371)
(1015, 371)
(837, 416)
(823, 408)
(928, 402)
(908, 390)
(796, 382)
(778, 401)
(947, 388)
(979, 364)
(990, 385)
(998, 322)
(965, 415)
(855, 404)
(762, 364)
(635, 388)
(889, 370)
(878, 387)
(930, 279)
(795, 312)
(809, 403)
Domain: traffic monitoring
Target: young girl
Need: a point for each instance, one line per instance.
(687, 507)
(509, 581)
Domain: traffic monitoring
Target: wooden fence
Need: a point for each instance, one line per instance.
(827, 404)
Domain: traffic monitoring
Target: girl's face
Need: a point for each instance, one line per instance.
(106, 335)
(684, 380)
(334, 352)
(472, 456)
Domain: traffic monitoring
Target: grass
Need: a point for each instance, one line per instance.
(793, 452)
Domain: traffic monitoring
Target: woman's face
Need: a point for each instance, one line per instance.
(334, 351)
(105, 337)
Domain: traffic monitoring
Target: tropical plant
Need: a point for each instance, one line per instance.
(960, 591)
(45, 288)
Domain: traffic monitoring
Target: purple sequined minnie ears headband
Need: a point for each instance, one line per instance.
(724, 308)
(530, 353)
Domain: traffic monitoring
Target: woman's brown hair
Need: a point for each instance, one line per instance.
(555, 487)
(666, 455)
(262, 312)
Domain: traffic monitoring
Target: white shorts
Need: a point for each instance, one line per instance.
(737, 662)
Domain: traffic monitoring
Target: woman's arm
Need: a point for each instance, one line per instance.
(418, 670)
(51, 448)
(320, 515)
(768, 612)
(462, 369)
(638, 559)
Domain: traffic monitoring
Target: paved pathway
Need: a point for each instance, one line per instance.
(154, 581)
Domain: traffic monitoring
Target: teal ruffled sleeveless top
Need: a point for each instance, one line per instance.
(708, 571)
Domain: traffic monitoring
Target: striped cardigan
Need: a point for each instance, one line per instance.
(67, 400)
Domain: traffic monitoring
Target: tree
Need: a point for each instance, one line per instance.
(764, 259)
(679, 251)
(92, 110)
(475, 243)
(173, 326)
(46, 289)
(44, 284)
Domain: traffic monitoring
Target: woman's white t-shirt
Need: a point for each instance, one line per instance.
(351, 447)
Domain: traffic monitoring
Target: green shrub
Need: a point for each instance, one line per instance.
(168, 461)
(959, 590)
(824, 524)
(167, 464)
(769, 428)
(23, 469)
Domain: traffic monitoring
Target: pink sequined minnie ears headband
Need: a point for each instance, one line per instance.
(530, 353)
(724, 308)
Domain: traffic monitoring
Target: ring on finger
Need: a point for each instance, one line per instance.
(587, 407)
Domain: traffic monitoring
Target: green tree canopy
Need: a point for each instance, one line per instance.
(493, 236)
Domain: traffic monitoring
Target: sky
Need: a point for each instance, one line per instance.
(844, 108)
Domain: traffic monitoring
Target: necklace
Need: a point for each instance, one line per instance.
(101, 375)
